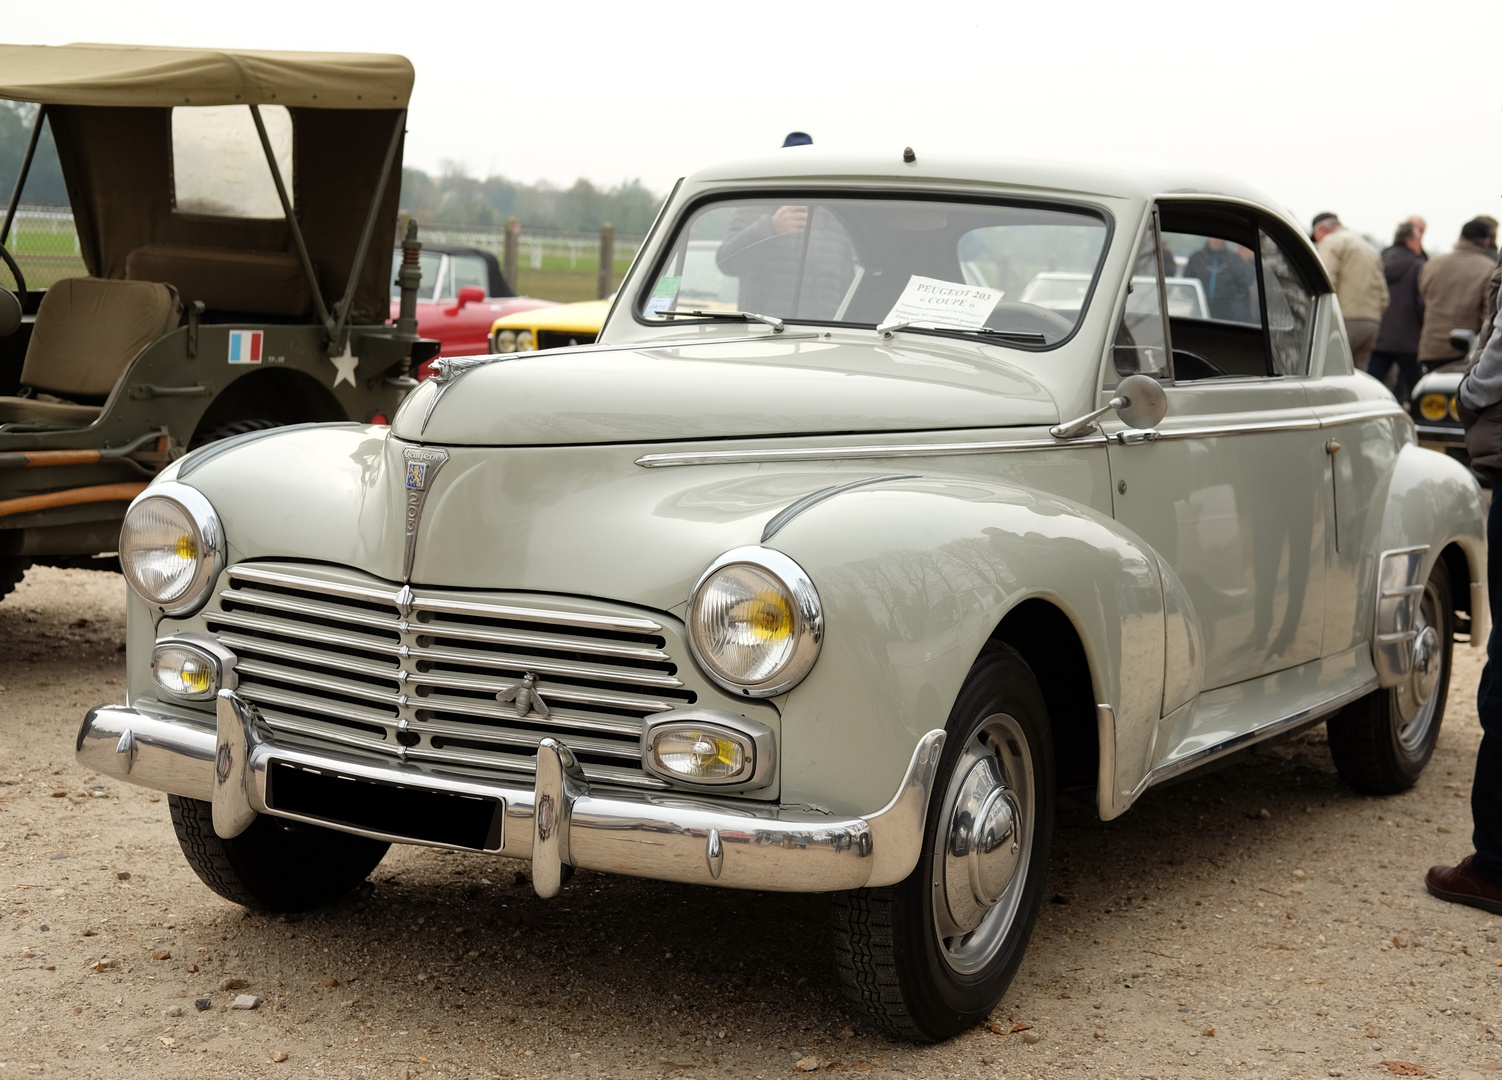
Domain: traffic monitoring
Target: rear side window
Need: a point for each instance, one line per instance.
(1290, 310)
(219, 166)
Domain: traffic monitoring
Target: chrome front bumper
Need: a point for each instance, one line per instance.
(556, 822)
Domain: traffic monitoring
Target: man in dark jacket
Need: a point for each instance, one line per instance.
(1398, 337)
(1228, 280)
(1477, 879)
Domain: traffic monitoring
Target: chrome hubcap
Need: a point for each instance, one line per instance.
(987, 822)
(1415, 699)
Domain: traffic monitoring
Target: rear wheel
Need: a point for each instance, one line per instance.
(933, 955)
(1382, 743)
(275, 865)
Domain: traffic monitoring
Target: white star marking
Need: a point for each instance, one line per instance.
(345, 365)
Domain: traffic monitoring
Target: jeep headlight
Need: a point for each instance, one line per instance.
(755, 623)
(171, 548)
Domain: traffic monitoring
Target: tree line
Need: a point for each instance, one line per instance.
(455, 198)
(452, 197)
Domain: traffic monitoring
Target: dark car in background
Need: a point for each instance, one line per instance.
(1434, 409)
(463, 292)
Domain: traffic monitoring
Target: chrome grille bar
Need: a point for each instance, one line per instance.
(439, 677)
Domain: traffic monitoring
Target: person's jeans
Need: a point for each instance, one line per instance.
(1486, 790)
(1409, 372)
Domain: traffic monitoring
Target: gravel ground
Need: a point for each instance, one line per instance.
(1261, 921)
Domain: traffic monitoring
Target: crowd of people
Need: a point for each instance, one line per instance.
(1401, 306)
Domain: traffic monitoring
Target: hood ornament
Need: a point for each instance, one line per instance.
(526, 697)
(421, 469)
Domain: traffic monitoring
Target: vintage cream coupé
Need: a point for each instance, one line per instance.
(832, 592)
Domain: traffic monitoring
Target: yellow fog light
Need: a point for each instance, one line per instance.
(190, 669)
(1434, 406)
(524, 342)
(706, 746)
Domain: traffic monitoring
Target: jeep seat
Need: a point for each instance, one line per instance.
(87, 332)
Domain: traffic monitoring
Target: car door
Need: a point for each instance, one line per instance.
(1232, 487)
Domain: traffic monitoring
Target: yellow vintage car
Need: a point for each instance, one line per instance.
(549, 328)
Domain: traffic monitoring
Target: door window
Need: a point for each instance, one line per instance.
(1290, 310)
(470, 270)
(1141, 345)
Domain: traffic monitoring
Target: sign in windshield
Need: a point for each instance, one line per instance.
(946, 267)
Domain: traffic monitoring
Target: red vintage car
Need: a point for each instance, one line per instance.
(462, 293)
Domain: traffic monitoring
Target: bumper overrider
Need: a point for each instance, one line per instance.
(557, 822)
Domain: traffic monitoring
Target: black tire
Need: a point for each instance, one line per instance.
(275, 865)
(12, 569)
(891, 954)
(1382, 743)
(230, 430)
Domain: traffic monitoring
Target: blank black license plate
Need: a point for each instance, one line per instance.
(434, 817)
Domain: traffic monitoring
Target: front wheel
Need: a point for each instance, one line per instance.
(1382, 743)
(275, 865)
(933, 955)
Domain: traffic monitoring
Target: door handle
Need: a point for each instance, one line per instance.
(1133, 435)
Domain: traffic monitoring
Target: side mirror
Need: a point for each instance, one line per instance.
(1462, 340)
(1140, 401)
(470, 294)
(10, 313)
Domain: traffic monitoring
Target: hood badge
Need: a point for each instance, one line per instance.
(422, 465)
(526, 697)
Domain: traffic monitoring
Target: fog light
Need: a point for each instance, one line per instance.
(1434, 406)
(190, 668)
(705, 746)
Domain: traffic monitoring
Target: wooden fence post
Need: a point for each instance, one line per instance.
(510, 253)
(607, 260)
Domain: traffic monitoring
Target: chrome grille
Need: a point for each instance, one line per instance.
(418, 674)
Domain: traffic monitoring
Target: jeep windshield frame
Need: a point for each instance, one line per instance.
(840, 257)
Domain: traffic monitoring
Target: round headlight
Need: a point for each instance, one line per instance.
(171, 548)
(504, 341)
(1433, 406)
(524, 342)
(754, 622)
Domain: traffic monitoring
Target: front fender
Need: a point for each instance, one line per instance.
(914, 576)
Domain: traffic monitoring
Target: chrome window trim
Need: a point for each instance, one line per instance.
(858, 453)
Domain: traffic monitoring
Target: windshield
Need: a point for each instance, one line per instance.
(930, 265)
(430, 263)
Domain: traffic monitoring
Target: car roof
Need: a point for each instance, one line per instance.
(1141, 180)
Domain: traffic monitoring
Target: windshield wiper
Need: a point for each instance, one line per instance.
(1032, 337)
(777, 325)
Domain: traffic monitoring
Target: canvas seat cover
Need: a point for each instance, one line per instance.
(87, 332)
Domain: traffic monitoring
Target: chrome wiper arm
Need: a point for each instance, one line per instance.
(777, 325)
(886, 330)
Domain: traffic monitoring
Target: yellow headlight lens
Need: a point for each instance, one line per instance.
(1455, 409)
(1434, 406)
(766, 616)
(159, 550)
(744, 624)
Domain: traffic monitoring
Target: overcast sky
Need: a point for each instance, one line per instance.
(1372, 108)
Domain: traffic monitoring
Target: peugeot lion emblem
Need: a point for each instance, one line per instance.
(527, 698)
(422, 469)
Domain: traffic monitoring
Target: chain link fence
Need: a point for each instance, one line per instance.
(561, 266)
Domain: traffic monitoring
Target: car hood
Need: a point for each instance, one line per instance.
(793, 384)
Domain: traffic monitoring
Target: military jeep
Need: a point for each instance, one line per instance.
(234, 212)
